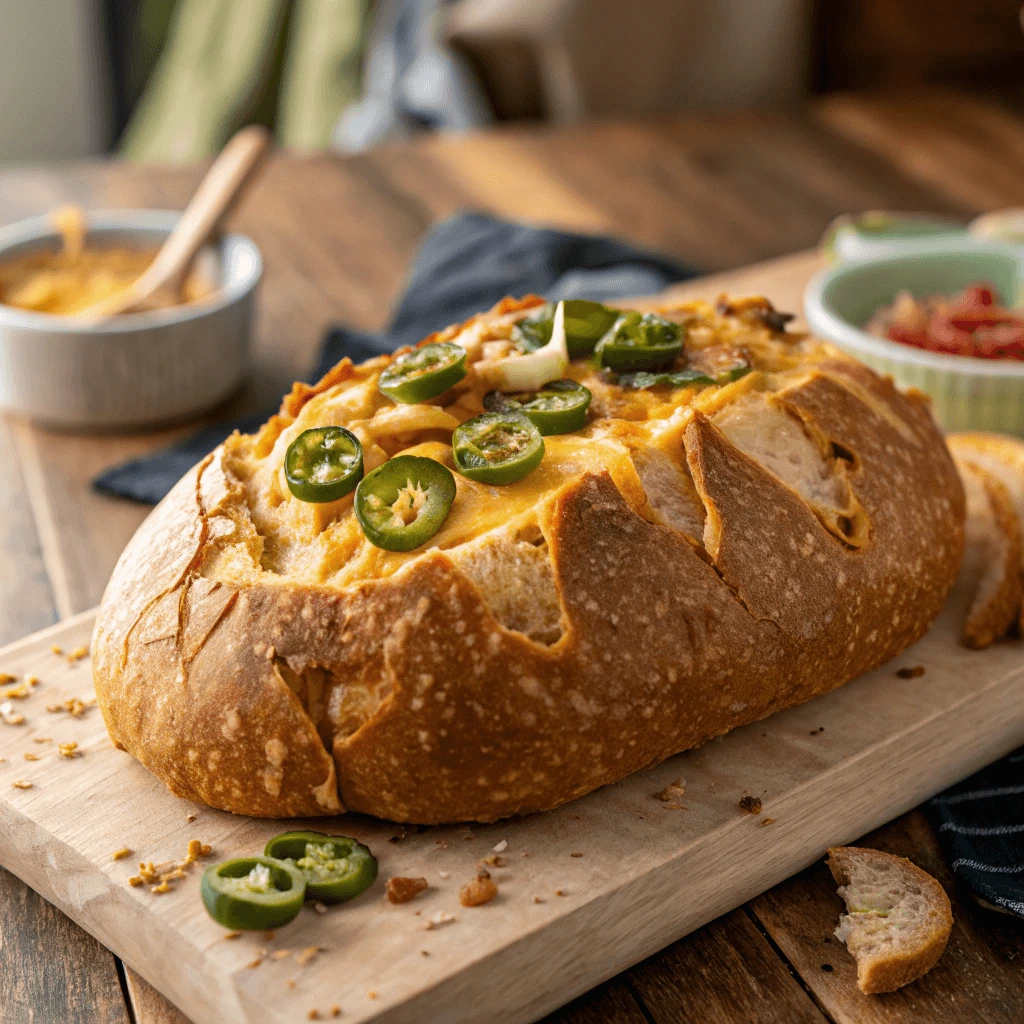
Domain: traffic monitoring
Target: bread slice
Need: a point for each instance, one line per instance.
(1003, 458)
(991, 555)
(898, 917)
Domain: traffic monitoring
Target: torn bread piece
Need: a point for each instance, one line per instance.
(1003, 457)
(991, 556)
(898, 917)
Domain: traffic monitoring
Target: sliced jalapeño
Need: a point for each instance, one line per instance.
(497, 447)
(253, 893)
(424, 373)
(560, 407)
(336, 868)
(403, 503)
(639, 341)
(323, 464)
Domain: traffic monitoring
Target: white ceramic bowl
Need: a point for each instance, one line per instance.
(139, 369)
(966, 393)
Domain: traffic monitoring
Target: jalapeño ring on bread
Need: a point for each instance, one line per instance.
(544, 549)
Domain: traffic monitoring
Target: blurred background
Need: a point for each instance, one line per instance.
(168, 81)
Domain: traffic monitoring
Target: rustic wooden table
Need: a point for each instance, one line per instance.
(337, 236)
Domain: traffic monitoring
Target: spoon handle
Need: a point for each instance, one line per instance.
(212, 199)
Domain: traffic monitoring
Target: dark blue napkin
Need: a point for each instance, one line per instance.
(980, 822)
(465, 265)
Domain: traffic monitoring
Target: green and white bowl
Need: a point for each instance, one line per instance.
(968, 394)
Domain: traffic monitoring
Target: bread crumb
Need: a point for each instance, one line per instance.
(135, 880)
(9, 715)
(371, 994)
(7, 677)
(750, 804)
(445, 874)
(313, 1014)
(560, 892)
(320, 908)
(401, 890)
(910, 673)
(231, 935)
(335, 1010)
(425, 952)
(77, 654)
(575, 854)
(29, 756)
(121, 854)
(22, 784)
(191, 817)
(307, 955)
(440, 918)
(68, 750)
(478, 892)
(501, 847)
(42, 739)
(32, 680)
(19, 692)
(163, 887)
(291, 983)
(57, 649)
(537, 899)
(767, 821)
(671, 794)
(255, 963)
(494, 860)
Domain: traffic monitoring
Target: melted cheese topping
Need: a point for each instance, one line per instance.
(636, 436)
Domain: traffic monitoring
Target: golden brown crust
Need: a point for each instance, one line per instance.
(201, 675)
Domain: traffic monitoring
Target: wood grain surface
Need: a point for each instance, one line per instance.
(337, 234)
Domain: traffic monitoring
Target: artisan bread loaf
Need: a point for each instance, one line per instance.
(898, 918)
(695, 558)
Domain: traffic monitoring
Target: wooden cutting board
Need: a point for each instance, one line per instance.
(584, 891)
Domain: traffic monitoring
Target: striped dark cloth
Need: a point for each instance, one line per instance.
(980, 822)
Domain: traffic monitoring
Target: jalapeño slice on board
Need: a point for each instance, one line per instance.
(424, 372)
(639, 341)
(560, 407)
(642, 379)
(497, 447)
(323, 464)
(336, 868)
(253, 893)
(403, 503)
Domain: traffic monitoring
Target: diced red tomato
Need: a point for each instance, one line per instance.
(970, 324)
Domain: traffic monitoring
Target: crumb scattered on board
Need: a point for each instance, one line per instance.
(750, 804)
(672, 794)
(910, 672)
(479, 891)
(9, 716)
(160, 876)
(401, 890)
(438, 919)
(21, 784)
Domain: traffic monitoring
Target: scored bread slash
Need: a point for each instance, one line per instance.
(898, 917)
(992, 556)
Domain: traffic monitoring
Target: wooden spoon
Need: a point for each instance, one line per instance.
(215, 194)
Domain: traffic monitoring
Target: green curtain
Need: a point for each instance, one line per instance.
(291, 64)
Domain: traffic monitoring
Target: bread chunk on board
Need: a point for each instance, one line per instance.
(898, 917)
(692, 560)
